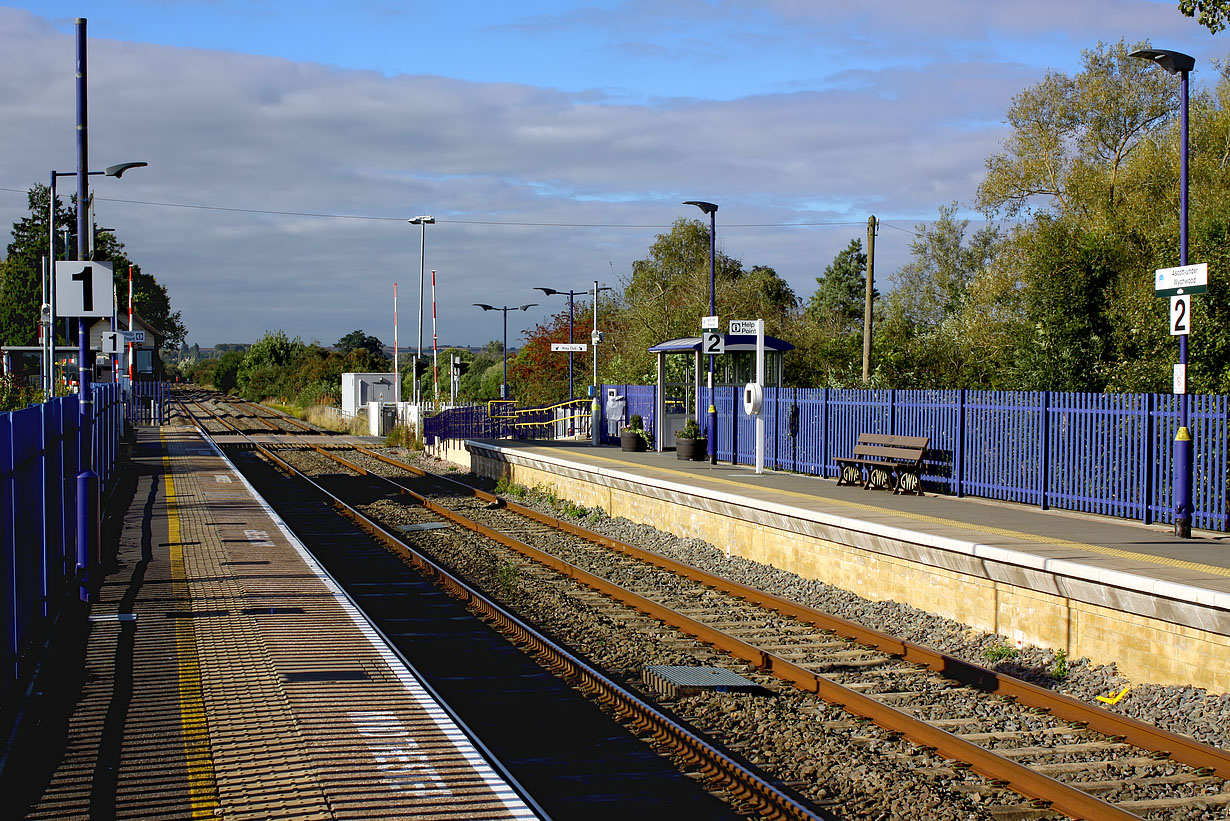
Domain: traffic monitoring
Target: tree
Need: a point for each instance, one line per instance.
(21, 291)
(263, 364)
(842, 290)
(356, 340)
(1070, 136)
(668, 293)
(1212, 14)
(20, 294)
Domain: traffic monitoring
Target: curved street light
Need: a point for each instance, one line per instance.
(423, 220)
(711, 209)
(1176, 62)
(505, 309)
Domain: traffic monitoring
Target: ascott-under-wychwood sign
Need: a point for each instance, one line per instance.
(1186, 279)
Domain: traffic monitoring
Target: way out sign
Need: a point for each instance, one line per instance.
(83, 288)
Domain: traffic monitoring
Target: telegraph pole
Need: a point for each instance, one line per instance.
(871, 269)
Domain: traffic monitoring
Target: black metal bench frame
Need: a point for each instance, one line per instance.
(884, 461)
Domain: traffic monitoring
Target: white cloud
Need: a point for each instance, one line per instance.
(222, 129)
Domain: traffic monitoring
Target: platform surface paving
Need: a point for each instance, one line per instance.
(220, 674)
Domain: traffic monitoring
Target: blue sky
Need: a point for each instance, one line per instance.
(507, 121)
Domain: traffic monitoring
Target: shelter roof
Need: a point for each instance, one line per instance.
(734, 343)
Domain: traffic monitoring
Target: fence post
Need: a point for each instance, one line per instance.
(958, 467)
(1150, 450)
(824, 430)
(1044, 470)
(892, 411)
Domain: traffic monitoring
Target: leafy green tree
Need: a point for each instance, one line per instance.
(225, 371)
(668, 293)
(841, 291)
(1212, 14)
(20, 294)
(356, 340)
(264, 363)
(21, 291)
(1070, 136)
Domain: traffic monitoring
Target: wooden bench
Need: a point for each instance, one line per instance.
(883, 461)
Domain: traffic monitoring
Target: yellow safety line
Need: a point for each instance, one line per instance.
(921, 517)
(198, 757)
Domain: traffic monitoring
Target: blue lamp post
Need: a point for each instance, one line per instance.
(571, 295)
(1176, 62)
(711, 209)
(505, 309)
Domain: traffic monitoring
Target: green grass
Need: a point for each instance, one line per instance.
(1000, 652)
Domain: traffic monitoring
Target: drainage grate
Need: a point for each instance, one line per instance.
(677, 682)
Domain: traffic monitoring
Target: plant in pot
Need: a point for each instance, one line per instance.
(690, 444)
(633, 436)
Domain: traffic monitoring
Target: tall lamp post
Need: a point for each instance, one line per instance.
(505, 309)
(711, 209)
(423, 221)
(49, 353)
(1176, 62)
(570, 295)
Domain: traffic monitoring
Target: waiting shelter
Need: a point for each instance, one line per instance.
(683, 376)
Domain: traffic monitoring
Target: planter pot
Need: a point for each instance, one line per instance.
(692, 450)
(631, 441)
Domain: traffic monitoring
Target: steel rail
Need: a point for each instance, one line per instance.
(1176, 747)
(713, 764)
(1038, 787)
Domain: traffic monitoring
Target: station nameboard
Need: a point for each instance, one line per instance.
(1186, 279)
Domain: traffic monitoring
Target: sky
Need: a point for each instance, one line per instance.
(289, 143)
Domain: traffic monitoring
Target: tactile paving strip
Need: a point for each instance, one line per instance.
(227, 678)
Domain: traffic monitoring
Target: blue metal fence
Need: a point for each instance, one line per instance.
(39, 462)
(1096, 453)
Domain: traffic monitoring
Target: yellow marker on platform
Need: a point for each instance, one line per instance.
(1116, 698)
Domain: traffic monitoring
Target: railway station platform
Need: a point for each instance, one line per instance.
(223, 674)
(1106, 589)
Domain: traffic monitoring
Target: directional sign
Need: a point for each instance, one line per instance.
(1187, 279)
(743, 326)
(111, 342)
(577, 347)
(83, 288)
(1181, 315)
(712, 343)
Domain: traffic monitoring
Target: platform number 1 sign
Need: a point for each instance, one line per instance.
(83, 288)
(1181, 315)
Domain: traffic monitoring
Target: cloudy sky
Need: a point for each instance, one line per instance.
(288, 143)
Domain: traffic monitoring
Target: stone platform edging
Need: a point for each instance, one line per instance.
(1157, 630)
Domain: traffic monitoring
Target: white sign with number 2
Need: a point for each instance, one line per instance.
(1181, 315)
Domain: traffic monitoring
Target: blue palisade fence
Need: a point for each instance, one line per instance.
(38, 505)
(1097, 453)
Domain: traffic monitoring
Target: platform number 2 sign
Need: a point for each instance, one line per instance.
(1181, 315)
(83, 288)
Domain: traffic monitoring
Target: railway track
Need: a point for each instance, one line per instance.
(959, 721)
(569, 751)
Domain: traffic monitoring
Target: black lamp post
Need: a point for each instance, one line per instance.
(571, 295)
(1176, 62)
(711, 209)
(505, 309)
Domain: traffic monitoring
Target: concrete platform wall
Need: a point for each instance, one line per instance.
(1151, 638)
